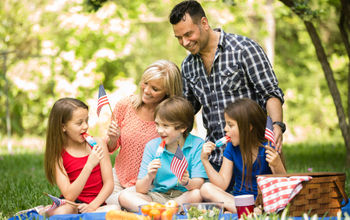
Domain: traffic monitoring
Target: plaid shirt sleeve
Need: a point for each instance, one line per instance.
(260, 73)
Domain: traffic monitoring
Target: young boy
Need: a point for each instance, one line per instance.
(156, 182)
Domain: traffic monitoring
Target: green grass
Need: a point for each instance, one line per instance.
(22, 178)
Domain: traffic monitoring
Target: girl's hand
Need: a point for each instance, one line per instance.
(153, 168)
(113, 133)
(208, 147)
(95, 156)
(84, 208)
(185, 178)
(272, 157)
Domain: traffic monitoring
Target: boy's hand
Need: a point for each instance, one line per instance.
(153, 168)
(208, 147)
(185, 178)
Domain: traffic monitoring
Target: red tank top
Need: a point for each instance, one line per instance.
(74, 166)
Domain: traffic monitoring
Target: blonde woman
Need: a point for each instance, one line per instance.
(133, 123)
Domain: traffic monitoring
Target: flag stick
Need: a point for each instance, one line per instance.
(67, 201)
(110, 108)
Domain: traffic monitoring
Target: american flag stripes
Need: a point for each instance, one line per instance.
(179, 163)
(56, 201)
(102, 99)
(269, 135)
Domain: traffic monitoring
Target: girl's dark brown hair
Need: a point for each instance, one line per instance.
(60, 114)
(251, 121)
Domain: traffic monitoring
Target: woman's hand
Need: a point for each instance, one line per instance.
(113, 134)
(95, 156)
(208, 147)
(153, 168)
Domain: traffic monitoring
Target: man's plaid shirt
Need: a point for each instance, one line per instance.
(240, 69)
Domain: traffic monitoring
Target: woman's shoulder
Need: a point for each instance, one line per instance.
(125, 101)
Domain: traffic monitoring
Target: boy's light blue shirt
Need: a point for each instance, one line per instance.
(165, 180)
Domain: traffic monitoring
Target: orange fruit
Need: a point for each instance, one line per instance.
(154, 214)
(167, 215)
(146, 209)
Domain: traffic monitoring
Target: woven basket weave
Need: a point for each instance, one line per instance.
(322, 195)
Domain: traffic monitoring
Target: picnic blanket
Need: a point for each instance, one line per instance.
(101, 216)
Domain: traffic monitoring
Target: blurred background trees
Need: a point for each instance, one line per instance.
(67, 48)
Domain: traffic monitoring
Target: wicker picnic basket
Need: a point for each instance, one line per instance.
(322, 195)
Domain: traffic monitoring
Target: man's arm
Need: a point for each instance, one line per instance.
(274, 109)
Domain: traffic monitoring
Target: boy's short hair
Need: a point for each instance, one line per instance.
(193, 8)
(178, 111)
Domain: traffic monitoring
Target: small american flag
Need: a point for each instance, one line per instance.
(179, 163)
(269, 135)
(56, 201)
(102, 99)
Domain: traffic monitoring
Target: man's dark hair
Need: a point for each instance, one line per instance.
(193, 8)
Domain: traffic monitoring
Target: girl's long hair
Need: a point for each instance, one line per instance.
(251, 121)
(60, 114)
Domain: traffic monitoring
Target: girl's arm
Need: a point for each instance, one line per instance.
(71, 191)
(223, 177)
(143, 185)
(275, 161)
(107, 178)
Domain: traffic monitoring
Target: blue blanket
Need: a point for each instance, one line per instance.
(101, 216)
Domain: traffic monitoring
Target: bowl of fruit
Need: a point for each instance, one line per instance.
(157, 211)
(204, 210)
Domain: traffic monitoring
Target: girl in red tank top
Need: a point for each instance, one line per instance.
(82, 173)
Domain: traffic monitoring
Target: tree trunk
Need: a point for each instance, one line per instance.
(332, 85)
(328, 72)
(344, 22)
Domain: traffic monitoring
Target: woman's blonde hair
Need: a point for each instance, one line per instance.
(61, 113)
(162, 69)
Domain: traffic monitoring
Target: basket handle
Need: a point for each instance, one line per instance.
(342, 192)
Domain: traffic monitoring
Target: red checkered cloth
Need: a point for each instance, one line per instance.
(277, 192)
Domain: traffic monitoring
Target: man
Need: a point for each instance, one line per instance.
(221, 68)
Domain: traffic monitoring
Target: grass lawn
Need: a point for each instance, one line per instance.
(22, 178)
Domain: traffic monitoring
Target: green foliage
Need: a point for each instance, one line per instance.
(68, 50)
(302, 9)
